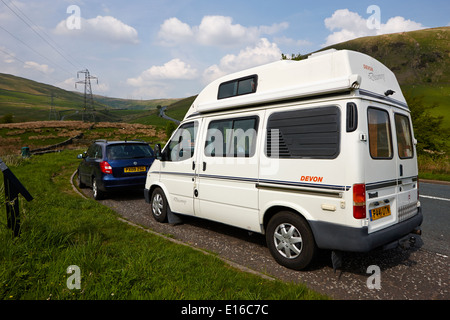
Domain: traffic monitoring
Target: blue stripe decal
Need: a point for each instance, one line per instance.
(256, 180)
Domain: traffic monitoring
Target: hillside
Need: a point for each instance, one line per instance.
(29, 100)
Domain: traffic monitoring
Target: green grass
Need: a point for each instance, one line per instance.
(116, 260)
(438, 94)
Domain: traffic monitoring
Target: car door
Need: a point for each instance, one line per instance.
(227, 171)
(87, 166)
(178, 168)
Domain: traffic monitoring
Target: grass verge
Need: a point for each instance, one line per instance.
(116, 261)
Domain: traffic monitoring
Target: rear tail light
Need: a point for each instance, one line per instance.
(359, 201)
(105, 167)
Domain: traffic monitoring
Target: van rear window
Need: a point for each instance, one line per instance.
(380, 141)
(404, 136)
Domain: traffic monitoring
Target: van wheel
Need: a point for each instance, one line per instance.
(159, 205)
(290, 240)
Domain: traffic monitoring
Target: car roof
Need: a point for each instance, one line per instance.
(106, 142)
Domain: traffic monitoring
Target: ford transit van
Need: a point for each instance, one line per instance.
(315, 154)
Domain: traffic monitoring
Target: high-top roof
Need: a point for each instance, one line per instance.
(322, 73)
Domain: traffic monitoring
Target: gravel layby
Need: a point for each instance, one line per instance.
(413, 274)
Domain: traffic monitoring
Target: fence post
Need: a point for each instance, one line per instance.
(13, 187)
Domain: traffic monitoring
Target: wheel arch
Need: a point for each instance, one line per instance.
(274, 209)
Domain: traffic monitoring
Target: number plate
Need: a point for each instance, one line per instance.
(380, 212)
(134, 169)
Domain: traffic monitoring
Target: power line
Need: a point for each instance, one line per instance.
(24, 63)
(34, 50)
(45, 33)
(37, 33)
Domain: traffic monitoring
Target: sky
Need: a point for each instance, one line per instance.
(152, 49)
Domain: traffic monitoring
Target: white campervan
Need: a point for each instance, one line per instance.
(316, 154)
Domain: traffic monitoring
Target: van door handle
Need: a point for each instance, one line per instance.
(401, 170)
(193, 165)
(204, 165)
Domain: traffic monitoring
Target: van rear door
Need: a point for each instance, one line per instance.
(407, 170)
(391, 172)
(381, 168)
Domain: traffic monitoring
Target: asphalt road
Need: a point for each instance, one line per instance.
(416, 273)
(435, 200)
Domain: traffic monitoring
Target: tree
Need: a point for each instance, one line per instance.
(170, 127)
(428, 130)
(7, 118)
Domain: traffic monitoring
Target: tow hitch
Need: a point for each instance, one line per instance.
(412, 240)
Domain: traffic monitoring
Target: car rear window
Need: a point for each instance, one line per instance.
(128, 151)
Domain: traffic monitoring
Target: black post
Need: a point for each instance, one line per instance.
(13, 188)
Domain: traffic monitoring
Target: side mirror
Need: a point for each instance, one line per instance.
(82, 155)
(158, 152)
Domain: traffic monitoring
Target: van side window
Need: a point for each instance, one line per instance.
(380, 141)
(404, 136)
(238, 87)
(182, 145)
(305, 133)
(232, 138)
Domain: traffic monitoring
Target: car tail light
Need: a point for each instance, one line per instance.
(105, 167)
(359, 201)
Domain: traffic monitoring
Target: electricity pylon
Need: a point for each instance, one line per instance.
(53, 113)
(88, 110)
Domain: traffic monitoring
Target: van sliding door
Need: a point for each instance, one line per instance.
(227, 171)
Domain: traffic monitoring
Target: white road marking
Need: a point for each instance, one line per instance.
(434, 198)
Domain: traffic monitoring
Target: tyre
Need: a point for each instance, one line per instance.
(290, 240)
(96, 192)
(81, 185)
(159, 205)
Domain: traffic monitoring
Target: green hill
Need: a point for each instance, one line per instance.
(29, 100)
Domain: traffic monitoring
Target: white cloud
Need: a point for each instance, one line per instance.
(214, 31)
(39, 67)
(399, 24)
(264, 52)
(350, 25)
(174, 69)
(105, 28)
(174, 31)
(152, 82)
(68, 84)
(292, 42)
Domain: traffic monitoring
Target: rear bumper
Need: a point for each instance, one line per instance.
(110, 183)
(334, 237)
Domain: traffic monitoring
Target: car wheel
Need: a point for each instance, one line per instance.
(96, 192)
(80, 184)
(159, 205)
(290, 240)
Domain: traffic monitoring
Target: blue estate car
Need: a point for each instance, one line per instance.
(114, 165)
